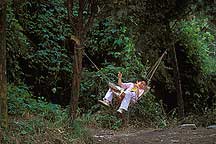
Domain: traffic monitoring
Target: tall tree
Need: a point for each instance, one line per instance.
(180, 101)
(80, 23)
(3, 81)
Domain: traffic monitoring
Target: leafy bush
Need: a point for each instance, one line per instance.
(17, 46)
(206, 119)
(147, 111)
(37, 47)
(199, 42)
(21, 102)
(197, 65)
(109, 121)
(33, 120)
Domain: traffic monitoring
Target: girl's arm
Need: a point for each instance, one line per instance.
(120, 79)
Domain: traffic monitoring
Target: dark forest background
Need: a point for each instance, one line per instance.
(127, 36)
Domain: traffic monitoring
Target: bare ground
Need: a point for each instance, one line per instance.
(175, 135)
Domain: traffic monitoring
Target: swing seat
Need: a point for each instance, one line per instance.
(114, 87)
(117, 91)
(118, 95)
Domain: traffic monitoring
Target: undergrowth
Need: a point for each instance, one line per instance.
(33, 121)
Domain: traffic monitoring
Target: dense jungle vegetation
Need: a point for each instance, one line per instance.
(125, 35)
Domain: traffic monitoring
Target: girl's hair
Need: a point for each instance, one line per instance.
(145, 81)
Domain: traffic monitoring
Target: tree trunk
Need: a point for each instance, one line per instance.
(80, 25)
(77, 70)
(180, 101)
(69, 9)
(3, 81)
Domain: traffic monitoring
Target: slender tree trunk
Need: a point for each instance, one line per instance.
(80, 25)
(70, 7)
(77, 70)
(77, 24)
(3, 81)
(180, 101)
(78, 52)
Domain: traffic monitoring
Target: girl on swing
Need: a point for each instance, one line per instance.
(132, 92)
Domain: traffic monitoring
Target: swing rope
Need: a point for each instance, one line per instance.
(103, 75)
(149, 74)
(155, 66)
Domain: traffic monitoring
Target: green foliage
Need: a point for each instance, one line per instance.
(108, 38)
(37, 48)
(49, 29)
(149, 110)
(112, 50)
(203, 95)
(104, 118)
(204, 120)
(35, 121)
(108, 121)
(79, 130)
(22, 102)
(17, 45)
(16, 98)
(199, 43)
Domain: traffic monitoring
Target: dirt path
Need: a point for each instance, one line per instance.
(155, 136)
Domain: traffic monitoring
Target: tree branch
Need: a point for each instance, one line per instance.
(92, 11)
(73, 20)
(79, 25)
